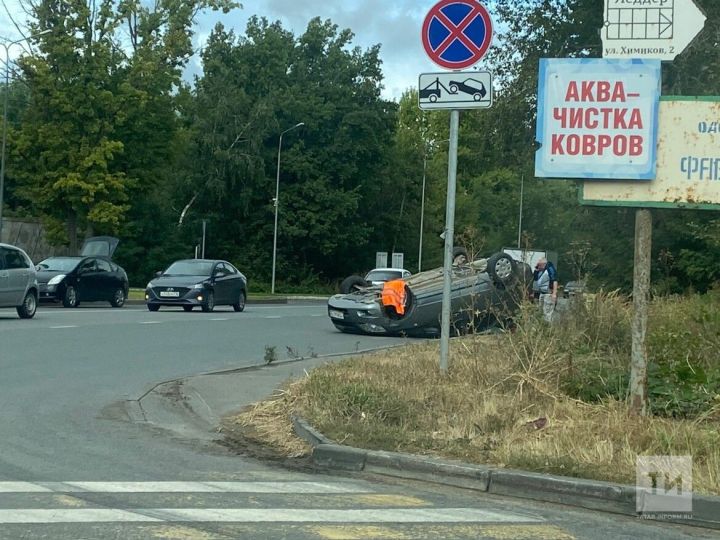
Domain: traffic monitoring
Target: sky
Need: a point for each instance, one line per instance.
(395, 25)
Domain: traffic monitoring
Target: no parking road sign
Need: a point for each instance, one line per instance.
(456, 34)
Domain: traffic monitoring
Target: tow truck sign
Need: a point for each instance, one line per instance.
(455, 90)
(597, 119)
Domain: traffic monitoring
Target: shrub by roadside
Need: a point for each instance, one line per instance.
(543, 398)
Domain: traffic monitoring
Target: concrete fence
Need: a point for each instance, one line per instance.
(29, 235)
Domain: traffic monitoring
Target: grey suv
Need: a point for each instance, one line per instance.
(18, 281)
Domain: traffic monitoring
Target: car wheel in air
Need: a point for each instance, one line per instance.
(187, 308)
(29, 306)
(153, 307)
(501, 268)
(352, 284)
(118, 298)
(453, 88)
(70, 300)
(240, 304)
(209, 304)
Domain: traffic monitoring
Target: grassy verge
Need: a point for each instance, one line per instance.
(543, 398)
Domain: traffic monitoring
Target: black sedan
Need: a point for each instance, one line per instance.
(72, 280)
(484, 291)
(198, 282)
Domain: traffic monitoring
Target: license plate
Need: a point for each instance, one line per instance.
(336, 314)
(170, 294)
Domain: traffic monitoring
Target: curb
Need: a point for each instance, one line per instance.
(589, 494)
(262, 301)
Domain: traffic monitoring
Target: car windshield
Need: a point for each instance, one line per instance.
(383, 275)
(58, 264)
(189, 268)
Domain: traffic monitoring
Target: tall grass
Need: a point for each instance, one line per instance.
(545, 397)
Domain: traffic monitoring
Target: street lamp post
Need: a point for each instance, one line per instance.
(6, 46)
(422, 212)
(277, 201)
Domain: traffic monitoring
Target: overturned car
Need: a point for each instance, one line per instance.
(484, 292)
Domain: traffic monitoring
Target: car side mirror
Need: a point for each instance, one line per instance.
(158, 273)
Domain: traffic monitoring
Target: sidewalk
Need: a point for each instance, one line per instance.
(194, 406)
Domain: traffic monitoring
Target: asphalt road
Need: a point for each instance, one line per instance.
(72, 465)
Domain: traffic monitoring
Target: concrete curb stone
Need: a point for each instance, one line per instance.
(293, 300)
(589, 494)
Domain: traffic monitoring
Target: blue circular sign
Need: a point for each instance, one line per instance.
(457, 33)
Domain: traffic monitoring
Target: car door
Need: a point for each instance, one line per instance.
(19, 272)
(235, 283)
(87, 280)
(106, 281)
(222, 284)
(4, 280)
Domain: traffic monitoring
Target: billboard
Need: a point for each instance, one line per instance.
(597, 118)
(688, 161)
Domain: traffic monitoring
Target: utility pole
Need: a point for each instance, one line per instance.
(522, 189)
(422, 211)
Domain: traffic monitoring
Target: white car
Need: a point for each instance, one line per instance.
(378, 276)
(18, 281)
(375, 277)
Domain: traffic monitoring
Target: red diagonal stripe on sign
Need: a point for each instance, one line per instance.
(457, 32)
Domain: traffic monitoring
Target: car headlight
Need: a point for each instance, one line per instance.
(56, 280)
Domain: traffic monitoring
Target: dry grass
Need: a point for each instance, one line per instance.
(504, 402)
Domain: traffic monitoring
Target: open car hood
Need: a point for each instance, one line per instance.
(99, 246)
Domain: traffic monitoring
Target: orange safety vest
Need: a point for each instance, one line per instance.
(394, 295)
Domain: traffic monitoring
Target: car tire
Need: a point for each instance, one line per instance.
(27, 309)
(240, 304)
(453, 88)
(153, 307)
(501, 268)
(209, 304)
(187, 309)
(118, 298)
(70, 298)
(352, 284)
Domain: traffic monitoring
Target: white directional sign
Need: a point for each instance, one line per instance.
(650, 29)
(455, 90)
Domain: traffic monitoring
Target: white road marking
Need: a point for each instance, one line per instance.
(262, 515)
(64, 326)
(272, 317)
(150, 322)
(225, 319)
(182, 487)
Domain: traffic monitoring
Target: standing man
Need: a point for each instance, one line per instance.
(545, 287)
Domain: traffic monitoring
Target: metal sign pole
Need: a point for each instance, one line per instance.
(449, 240)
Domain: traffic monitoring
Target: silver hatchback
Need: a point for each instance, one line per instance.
(18, 281)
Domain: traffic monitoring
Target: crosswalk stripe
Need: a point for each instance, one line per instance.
(260, 515)
(182, 487)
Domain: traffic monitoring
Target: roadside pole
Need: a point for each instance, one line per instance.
(641, 294)
(449, 236)
(456, 34)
